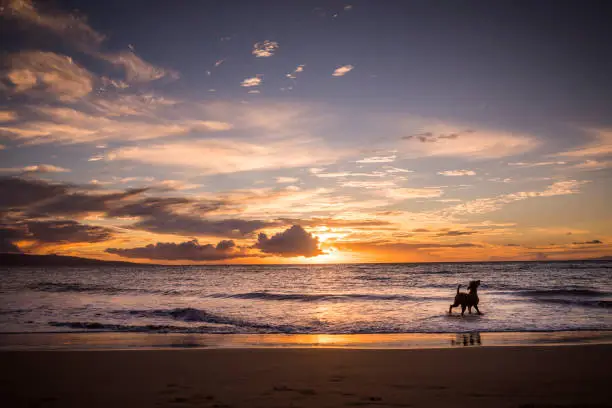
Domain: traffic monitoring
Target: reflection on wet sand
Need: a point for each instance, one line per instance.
(467, 339)
(112, 340)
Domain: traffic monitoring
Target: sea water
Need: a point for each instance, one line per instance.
(307, 299)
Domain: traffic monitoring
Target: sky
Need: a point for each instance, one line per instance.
(306, 132)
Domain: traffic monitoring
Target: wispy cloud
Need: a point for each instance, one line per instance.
(7, 116)
(378, 159)
(228, 156)
(37, 168)
(486, 205)
(391, 169)
(265, 48)
(46, 73)
(369, 184)
(402, 193)
(456, 173)
(75, 31)
(475, 144)
(137, 69)
(537, 164)
(601, 146)
(286, 180)
(72, 27)
(253, 81)
(343, 70)
(591, 165)
(66, 125)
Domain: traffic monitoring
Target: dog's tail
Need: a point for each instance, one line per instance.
(458, 286)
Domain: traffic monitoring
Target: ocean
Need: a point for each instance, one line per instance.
(306, 299)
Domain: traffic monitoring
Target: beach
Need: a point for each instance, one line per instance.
(534, 376)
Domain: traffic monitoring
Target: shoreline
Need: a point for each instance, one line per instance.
(404, 341)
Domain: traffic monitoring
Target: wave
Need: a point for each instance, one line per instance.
(301, 297)
(442, 272)
(192, 315)
(71, 287)
(93, 288)
(562, 292)
(373, 278)
(606, 304)
(149, 328)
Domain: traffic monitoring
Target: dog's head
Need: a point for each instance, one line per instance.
(474, 284)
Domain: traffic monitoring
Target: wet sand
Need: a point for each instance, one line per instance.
(534, 377)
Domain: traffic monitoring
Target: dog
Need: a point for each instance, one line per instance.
(468, 300)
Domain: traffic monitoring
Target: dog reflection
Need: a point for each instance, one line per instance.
(467, 339)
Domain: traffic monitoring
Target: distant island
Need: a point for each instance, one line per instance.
(13, 260)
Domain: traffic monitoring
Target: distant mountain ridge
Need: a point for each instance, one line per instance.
(16, 260)
(57, 260)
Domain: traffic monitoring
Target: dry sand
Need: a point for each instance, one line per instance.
(557, 376)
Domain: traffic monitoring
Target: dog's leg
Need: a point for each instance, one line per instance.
(462, 309)
(450, 309)
(477, 311)
(470, 309)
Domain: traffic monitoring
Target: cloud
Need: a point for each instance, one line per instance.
(229, 156)
(454, 233)
(18, 192)
(412, 193)
(378, 159)
(72, 27)
(184, 224)
(485, 205)
(66, 232)
(297, 70)
(7, 116)
(343, 70)
(172, 215)
(284, 180)
(455, 173)
(39, 168)
(342, 174)
(295, 241)
(376, 246)
(601, 146)
(40, 73)
(431, 137)
(537, 164)
(446, 141)
(391, 169)
(189, 250)
(591, 165)
(253, 81)
(46, 198)
(335, 222)
(369, 184)
(593, 242)
(82, 203)
(50, 232)
(265, 48)
(74, 30)
(136, 69)
(67, 125)
(9, 234)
